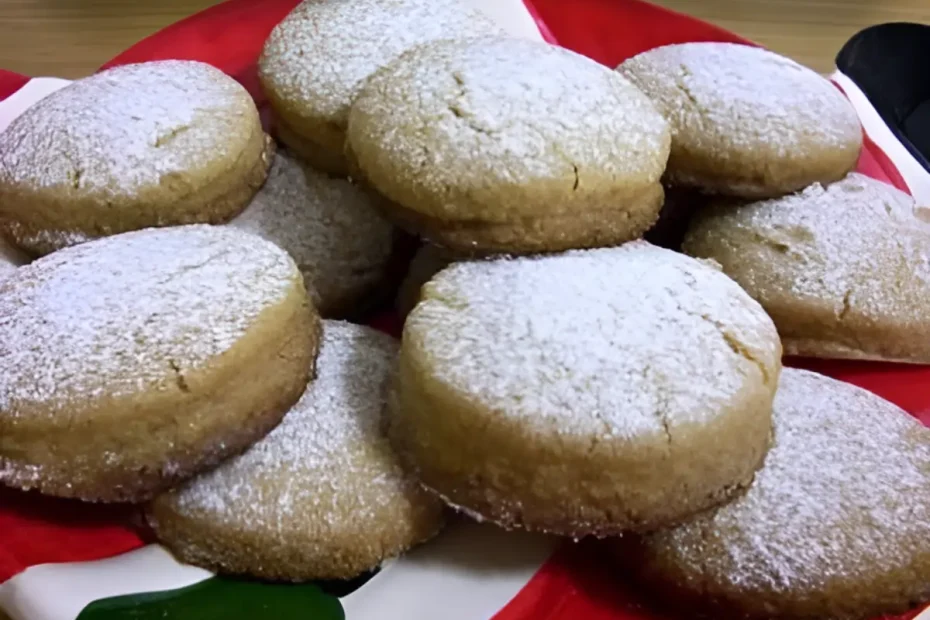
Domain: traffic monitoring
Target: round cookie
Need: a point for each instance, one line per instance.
(592, 392)
(842, 269)
(330, 227)
(836, 524)
(322, 496)
(497, 145)
(130, 363)
(426, 263)
(311, 71)
(747, 122)
(154, 144)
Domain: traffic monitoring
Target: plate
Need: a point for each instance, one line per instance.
(61, 560)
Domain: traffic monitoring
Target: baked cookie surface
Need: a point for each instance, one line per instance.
(841, 269)
(311, 71)
(747, 122)
(323, 495)
(498, 145)
(330, 227)
(587, 393)
(154, 144)
(835, 525)
(130, 363)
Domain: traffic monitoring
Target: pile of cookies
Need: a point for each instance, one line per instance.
(176, 342)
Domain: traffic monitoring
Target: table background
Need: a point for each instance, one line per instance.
(71, 38)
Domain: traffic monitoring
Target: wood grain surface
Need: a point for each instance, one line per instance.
(71, 38)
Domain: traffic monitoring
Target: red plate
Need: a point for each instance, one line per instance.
(577, 582)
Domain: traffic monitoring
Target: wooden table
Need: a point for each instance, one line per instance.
(70, 38)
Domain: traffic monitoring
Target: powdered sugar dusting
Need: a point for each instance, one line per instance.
(859, 246)
(496, 112)
(130, 313)
(127, 129)
(743, 98)
(618, 342)
(841, 500)
(329, 226)
(319, 56)
(328, 465)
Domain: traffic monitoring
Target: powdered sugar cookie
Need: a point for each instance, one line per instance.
(330, 227)
(500, 145)
(153, 144)
(316, 60)
(586, 393)
(836, 524)
(842, 269)
(745, 121)
(130, 363)
(322, 496)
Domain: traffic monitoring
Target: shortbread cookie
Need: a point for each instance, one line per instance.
(505, 145)
(836, 524)
(322, 496)
(154, 144)
(316, 60)
(427, 262)
(330, 227)
(130, 363)
(747, 122)
(586, 393)
(842, 269)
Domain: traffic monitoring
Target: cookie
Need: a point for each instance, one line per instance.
(592, 392)
(322, 496)
(841, 269)
(311, 69)
(836, 524)
(330, 227)
(747, 122)
(147, 145)
(427, 262)
(500, 145)
(130, 363)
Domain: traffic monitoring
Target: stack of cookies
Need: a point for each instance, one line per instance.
(176, 342)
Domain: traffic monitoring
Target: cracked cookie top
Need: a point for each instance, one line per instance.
(152, 144)
(131, 314)
(127, 129)
(843, 269)
(746, 121)
(835, 525)
(621, 343)
(494, 129)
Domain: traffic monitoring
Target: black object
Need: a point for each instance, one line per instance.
(890, 64)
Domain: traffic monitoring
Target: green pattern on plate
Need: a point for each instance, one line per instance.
(221, 598)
